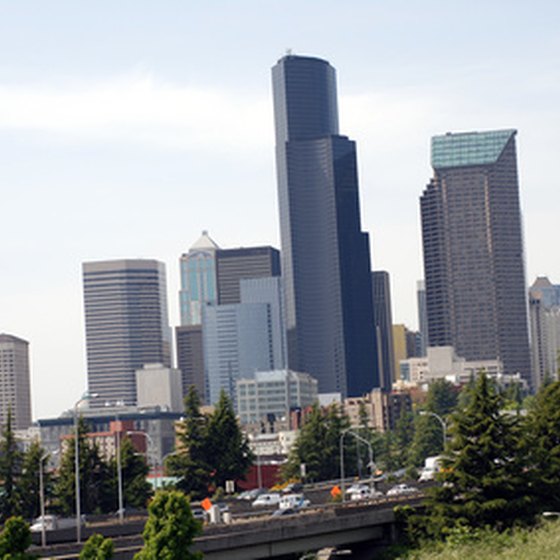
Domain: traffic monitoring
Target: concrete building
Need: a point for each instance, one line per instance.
(159, 386)
(544, 321)
(270, 395)
(126, 325)
(15, 391)
(442, 362)
(384, 327)
(473, 250)
(234, 265)
(198, 279)
(404, 346)
(325, 256)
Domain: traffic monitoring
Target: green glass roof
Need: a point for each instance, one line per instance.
(469, 148)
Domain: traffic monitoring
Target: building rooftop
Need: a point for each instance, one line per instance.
(469, 148)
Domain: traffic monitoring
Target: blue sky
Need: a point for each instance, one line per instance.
(128, 127)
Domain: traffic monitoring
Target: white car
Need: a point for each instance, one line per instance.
(402, 490)
(362, 492)
(271, 499)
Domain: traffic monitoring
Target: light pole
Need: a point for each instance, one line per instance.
(119, 466)
(42, 497)
(85, 397)
(341, 444)
(441, 421)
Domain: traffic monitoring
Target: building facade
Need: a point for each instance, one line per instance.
(384, 327)
(198, 279)
(325, 255)
(473, 250)
(234, 265)
(15, 390)
(126, 325)
(422, 317)
(190, 358)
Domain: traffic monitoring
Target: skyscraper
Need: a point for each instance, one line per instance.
(325, 255)
(234, 265)
(126, 325)
(198, 279)
(422, 317)
(15, 393)
(473, 250)
(384, 327)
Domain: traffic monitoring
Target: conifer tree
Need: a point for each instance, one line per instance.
(227, 449)
(191, 461)
(28, 486)
(483, 479)
(10, 471)
(97, 547)
(134, 469)
(15, 539)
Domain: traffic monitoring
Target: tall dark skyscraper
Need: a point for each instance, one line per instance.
(384, 327)
(473, 249)
(325, 255)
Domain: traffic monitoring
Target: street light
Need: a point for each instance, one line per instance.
(42, 497)
(119, 466)
(441, 421)
(341, 444)
(85, 397)
(149, 442)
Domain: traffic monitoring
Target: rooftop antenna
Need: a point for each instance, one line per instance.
(289, 52)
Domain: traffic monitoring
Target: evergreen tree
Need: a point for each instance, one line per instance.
(96, 480)
(28, 487)
(318, 446)
(191, 461)
(427, 441)
(134, 470)
(442, 398)
(483, 478)
(10, 471)
(227, 449)
(97, 547)
(170, 529)
(542, 444)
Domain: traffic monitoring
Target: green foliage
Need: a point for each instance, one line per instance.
(96, 478)
(318, 446)
(28, 485)
(442, 398)
(15, 539)
(97, 547)
(227, 448)
(170, 529)
(427, 441)
(10, 471)
(542, 444)
(136, 489)
(484, 483)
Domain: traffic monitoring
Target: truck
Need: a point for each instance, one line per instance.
(53, 522)
(432, 466)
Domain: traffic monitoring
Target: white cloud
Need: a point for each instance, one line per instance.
(137, 107)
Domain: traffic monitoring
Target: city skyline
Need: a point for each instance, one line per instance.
(155, 121)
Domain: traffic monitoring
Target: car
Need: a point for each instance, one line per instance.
(357, 488)
(402, 490)
(250, 495)
(293, 501)
(271, 499)
(292, 487)
(199, 513)
(286, 511)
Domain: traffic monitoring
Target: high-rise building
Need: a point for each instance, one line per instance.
(198, 279)
(384, 327)
(422, 317)
(544, 321)
(15, 392)
(473, 250)
(126, 325)
(325, 255)
(190, 358)
(234, 265)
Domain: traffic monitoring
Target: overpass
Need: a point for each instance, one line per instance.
(359, 526)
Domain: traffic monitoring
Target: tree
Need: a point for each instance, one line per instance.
(96, 488)
(191, 462)
(97, 547)
(483, 479)
(15, 539)
(542, 444)
(227, 449)
(442, 398)
(170, 529)
(318, 446)
(10, 471)
(28, 486)
(134, 470)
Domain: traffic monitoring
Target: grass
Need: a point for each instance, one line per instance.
(542, 543)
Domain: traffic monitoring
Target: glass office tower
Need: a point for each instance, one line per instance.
(325, 255)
